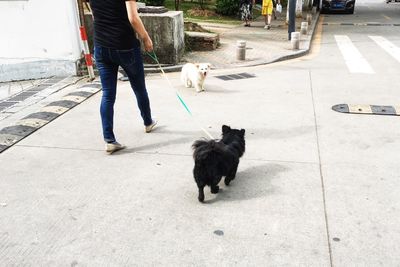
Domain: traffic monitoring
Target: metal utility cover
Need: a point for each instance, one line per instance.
(236, 76)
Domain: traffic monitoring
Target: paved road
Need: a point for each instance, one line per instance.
(359, 64)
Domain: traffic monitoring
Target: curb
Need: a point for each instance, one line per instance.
(11, 135)
(296, 54)
(174, 68)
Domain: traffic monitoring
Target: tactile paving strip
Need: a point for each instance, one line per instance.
(13, 134)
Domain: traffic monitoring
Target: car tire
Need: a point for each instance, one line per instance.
(351, 11)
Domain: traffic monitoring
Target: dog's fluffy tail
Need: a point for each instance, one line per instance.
(208, 155)
(202, 148)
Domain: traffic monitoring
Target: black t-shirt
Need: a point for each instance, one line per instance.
(112, 28)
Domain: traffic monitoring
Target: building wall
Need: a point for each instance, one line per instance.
(39, 31)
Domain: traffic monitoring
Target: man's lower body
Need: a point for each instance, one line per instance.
(108, 61)
(266, 11)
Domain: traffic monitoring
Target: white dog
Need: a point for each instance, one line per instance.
(193, 75)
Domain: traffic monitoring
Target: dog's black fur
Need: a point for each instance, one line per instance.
(214, 159)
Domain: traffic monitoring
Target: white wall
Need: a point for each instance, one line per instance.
(39, 29)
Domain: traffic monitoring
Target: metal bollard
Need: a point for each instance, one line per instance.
(309, 18)
(295, 40)
(241, 50)
(314, 10)
(304, 27)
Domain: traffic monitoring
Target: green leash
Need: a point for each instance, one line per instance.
(154, 57)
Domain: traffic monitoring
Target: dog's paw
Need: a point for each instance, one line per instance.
(201, 199)
(215, 189)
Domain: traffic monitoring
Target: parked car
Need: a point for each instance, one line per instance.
(346, 6)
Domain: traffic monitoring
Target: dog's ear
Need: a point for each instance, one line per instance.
(209, 65)
(197, 65)
(225, 129)
(242, 131)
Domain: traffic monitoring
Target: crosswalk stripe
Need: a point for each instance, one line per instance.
(353, 58)
(388, 46)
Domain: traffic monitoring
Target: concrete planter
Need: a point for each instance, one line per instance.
(167, 32)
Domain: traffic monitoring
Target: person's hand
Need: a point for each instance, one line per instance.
(148, 44)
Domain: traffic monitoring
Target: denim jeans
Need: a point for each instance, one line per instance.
(108, 60)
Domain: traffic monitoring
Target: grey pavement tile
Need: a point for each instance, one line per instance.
(3, 148)
(7, 103)
(19, 130)
(64, 103)
(47, 116)
(22, 96)
(81, 93)
(38, 88)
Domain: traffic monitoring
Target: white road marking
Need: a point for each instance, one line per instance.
(388, 46)
(353, 58)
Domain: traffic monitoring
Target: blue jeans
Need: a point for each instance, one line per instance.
(108, 60)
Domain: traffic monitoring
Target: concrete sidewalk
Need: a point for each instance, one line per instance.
(263, 46)
(64, 201)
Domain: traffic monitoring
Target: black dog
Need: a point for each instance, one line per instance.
(214, 159)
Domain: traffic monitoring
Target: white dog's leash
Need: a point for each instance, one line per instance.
(154, 57)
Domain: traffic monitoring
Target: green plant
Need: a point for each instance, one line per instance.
(227, 7)
(154, 2)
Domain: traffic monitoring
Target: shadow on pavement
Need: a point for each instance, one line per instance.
(253, 182)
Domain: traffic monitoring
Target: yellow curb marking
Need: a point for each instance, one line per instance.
(90, 89)
(316, 43)
(9, 139)
(36, 123)
(363, 109)
(397, 108)
(55, 109)
(74, 98)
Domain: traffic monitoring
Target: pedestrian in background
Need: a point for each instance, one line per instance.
(274, 8)
(246, 8)
(116, 23)
(266, 11)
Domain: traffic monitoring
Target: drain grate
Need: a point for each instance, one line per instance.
(236, 76)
